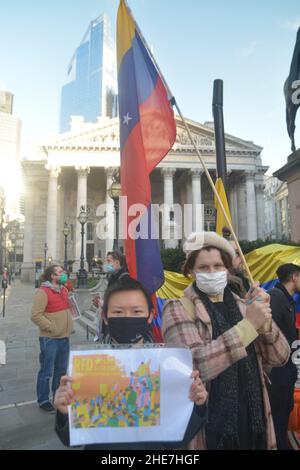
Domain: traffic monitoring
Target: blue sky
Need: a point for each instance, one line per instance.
(248, 44)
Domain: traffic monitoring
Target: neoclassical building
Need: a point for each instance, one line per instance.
(76, 168)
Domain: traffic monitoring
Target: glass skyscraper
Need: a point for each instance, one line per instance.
(91, 90)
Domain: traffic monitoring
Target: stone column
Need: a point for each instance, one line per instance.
(27, 270)
(260, 208)
(251, 207)
(278, 219)
(233, 203)
(168, 225)
(241, 210)
(197, 224)
(82, 173)
(51, 231)
(188, 209)
(287, 222)
(110, 214)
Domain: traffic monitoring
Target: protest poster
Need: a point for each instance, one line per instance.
(130, 395)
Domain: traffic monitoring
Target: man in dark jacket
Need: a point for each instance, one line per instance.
(116, 269)
(237, 281)
(283, 378)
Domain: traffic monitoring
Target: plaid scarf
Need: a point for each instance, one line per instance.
(236, 393)
(50, 285)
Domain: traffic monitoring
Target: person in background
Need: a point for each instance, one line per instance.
(115, 268)
(237, 279)
(281, 389)
(128, 312)
(51, 313)
(5, 276)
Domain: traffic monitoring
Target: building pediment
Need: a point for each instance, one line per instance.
(104, 135)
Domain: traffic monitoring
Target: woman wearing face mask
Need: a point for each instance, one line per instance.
(51, 313)
(128, 314)
(232, 340)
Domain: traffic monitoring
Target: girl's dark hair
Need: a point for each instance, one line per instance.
(190, 261)
(126, 284)
(46, 276)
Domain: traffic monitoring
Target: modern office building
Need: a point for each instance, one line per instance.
(91, 90)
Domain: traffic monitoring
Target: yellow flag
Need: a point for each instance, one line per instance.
(221, 221)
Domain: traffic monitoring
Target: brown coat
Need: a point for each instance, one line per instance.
(51, 325)
(212, 357)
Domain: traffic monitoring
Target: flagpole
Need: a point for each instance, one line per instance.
(174, 102)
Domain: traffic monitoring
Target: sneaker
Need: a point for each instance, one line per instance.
(48, 408)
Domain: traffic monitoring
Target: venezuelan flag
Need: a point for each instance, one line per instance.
(147, 133)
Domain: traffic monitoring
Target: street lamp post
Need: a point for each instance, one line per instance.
(2, 209)
(13, 238)
(45, 255)
(114, 193)
(66, 232)
(82, 273)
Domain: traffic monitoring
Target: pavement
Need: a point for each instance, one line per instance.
(23, 425)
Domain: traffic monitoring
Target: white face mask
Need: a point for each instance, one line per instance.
(211, 283)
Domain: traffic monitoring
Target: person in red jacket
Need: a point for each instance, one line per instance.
(51, 313)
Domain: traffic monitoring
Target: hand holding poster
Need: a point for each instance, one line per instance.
(130, 395)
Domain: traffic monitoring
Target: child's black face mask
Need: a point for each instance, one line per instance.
(127, 329)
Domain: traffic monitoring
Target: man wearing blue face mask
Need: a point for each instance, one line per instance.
(115, 267)
(51, 313)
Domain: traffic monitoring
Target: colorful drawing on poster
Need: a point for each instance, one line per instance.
(109, 394)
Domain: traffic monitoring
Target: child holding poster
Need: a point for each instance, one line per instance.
(127, 312)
